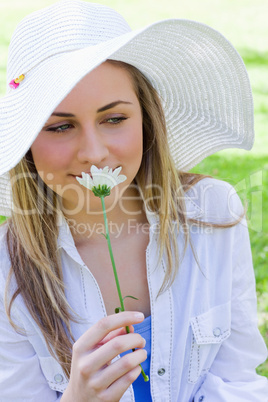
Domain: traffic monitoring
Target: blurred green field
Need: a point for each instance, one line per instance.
(244, 23)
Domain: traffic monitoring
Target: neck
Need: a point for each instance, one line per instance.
(124, 218)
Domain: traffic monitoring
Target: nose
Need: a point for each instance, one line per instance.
(92, 147)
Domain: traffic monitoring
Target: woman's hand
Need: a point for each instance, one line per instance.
(93, 377)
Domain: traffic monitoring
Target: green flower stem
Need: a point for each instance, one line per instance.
(111, 254)
(122, 307)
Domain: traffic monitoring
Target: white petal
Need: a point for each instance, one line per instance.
(79, 180)
(94, 169)
(85, 181)
(121, 178)
(117, 171)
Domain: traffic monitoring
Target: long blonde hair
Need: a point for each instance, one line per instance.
(32, 245)
(32, 237)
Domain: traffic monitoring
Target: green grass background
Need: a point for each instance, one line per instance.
(244, 23)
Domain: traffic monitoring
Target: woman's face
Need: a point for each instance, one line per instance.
(100, 123)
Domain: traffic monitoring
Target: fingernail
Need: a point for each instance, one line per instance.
(139, 316)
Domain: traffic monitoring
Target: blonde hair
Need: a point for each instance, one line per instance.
(32, 245)
(32, 238)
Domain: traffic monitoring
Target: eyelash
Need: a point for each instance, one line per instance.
(119, 120)
(60, 129)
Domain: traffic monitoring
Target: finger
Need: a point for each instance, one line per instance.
(103, 327)
(92, 362)
(119, 368)
(116, 332)
(119, 387)
(113, 334)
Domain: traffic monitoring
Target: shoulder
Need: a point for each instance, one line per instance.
(214, 201)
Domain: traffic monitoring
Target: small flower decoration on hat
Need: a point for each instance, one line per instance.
(16, 82)
(101, 181)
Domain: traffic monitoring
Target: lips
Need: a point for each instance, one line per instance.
(80, 174)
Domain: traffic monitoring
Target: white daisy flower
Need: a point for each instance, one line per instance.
(101, 181)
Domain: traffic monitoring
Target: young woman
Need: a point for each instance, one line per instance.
(84, 90)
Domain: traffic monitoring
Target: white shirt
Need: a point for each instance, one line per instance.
(205, 339)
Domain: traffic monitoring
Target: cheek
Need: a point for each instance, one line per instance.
(48, 157)
(136, 146)
(131, 147)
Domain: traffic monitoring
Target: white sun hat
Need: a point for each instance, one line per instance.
(198, 74)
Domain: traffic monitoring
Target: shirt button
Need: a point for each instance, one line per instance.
(161, 371)
(58, 378)
(201, 398)
(217, 331)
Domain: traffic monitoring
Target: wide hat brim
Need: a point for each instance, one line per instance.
(201, 80)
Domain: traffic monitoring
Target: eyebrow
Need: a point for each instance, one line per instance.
(102, 109)
(113, 104)
(60, 114)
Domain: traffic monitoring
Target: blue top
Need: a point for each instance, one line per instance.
(141, 388)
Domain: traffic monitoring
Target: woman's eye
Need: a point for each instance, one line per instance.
(115, 120)
(59, 129)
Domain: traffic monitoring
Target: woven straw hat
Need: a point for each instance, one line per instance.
(200, 77)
